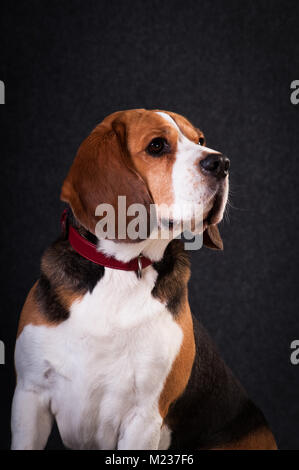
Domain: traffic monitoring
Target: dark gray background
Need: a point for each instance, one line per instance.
(227, 66)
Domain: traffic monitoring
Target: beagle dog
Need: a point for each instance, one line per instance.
(107, 345)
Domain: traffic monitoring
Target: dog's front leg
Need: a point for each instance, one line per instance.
(31, 420)
(141, 431)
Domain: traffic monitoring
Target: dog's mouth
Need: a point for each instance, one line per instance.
(212, 216)
(215, 214)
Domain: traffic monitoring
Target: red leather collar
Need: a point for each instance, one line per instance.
(89, 251)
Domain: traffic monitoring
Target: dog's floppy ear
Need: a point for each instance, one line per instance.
(102, 171)
(212, 238)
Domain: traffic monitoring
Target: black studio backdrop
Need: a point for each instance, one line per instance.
(227, 66)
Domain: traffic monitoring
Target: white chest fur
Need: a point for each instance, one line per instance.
(102, 370)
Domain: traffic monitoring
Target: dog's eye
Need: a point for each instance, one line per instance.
(157, 147)
(201, 141)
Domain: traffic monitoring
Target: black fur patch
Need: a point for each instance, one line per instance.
(173, 275)
(49, 302)
(62, 267)
(71, 269)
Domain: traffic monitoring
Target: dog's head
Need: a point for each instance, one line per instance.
(151, 157)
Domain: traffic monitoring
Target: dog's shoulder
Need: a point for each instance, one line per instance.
(64, 278)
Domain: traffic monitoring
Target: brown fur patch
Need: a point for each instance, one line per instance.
(181, 369)
(260, 439)
(31, 313)
(67, 297)
(157, 173)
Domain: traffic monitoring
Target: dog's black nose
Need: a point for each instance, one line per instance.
(216, 164)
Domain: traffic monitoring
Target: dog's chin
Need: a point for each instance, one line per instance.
(215, 214)
(212, 215)
(217, 204)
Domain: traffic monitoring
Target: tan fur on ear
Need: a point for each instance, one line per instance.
(212, 238)
(102, 171)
